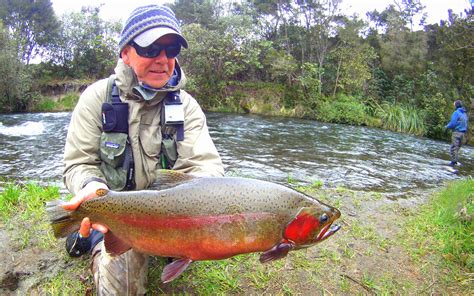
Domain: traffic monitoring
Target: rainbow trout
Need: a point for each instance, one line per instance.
(203, 219)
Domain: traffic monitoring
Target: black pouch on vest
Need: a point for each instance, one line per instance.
(115, 117)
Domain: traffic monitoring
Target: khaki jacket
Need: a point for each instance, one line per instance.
(196, 153)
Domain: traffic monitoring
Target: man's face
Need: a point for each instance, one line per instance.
(156, 71)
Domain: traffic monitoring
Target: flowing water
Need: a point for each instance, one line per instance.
(275, 149)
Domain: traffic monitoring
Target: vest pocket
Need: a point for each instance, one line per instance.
(112, 148)
(112, 154)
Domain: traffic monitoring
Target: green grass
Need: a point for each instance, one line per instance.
(46, 105)
(443, 227)
(66, 103)
(23, 205)
(26, 199)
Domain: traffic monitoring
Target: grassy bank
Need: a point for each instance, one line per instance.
(442, 232)
(62, 103)
(276, 100)
(436, 256)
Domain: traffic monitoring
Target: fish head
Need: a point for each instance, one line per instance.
(312, 225)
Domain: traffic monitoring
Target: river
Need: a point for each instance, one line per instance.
(268, 148)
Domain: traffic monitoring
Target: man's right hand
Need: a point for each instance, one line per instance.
(86, 193)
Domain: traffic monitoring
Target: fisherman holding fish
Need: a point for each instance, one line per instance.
(128, 126)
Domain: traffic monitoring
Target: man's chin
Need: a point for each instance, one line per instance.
(156, 83)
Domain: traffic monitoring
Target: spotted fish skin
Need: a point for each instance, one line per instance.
(206, 219)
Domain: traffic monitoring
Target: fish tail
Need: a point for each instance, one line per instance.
(61, 220)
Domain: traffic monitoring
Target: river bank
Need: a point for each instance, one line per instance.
(377, 251)
(271, 100)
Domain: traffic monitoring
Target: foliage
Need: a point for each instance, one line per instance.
(351, 60)
(446, 225)
(32, 25)
(402, 118)
(452, 52)
(86, 46)
(197, 11)
(434, 105)
(309, 82)
(15, 80)
(344, 109)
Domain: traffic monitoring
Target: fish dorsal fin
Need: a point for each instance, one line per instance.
(114, 245)
(167, 179)
(277, 252)
(174, 269)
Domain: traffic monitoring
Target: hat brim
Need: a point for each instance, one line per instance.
(149, 36)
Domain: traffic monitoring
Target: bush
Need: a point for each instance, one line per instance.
(344, 109)
(434, 118)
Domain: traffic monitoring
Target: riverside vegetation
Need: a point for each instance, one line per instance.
(419, 245)
(285, 58)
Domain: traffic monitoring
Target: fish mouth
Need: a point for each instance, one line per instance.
(327, 231)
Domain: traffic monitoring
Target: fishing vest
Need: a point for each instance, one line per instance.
(115, 149)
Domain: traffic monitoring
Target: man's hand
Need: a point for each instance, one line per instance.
(86, 193)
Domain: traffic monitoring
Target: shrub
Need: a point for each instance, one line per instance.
(344, 109)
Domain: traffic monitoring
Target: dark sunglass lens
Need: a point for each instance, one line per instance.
(173, 50)
(154, 50)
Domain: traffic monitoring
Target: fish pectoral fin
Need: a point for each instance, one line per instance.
(114, 245)
(277, 252)
(174, 269)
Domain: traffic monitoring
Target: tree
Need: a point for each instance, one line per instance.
(211, 59)
(15, 82)
(203, 12)
(453, 52)
(352, 58)
(320, 18)
(402, 54)
(31, 23)
(86, 45)
(409, 9)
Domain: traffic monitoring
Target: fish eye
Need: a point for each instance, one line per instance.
(324, 218)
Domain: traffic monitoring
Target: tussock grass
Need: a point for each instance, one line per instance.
(405, 119)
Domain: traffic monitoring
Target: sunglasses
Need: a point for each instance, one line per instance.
(154, 50)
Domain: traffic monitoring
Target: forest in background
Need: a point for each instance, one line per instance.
(280, 57)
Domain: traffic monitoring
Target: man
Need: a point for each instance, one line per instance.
(458, 124)
(149, 124)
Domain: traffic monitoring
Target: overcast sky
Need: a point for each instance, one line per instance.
(119, 9)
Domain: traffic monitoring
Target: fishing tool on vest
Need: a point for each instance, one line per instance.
(172, 119)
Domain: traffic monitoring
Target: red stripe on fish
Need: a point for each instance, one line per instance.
(185, 222)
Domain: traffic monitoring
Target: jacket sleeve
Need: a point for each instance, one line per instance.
(453, 121)
(197, 153)
(81, 152)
